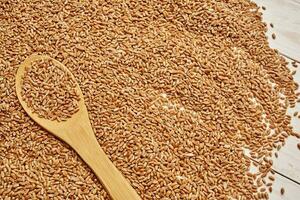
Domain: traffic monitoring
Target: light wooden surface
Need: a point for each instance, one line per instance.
(292, 190)
(285, 16)
(288, 161)
(78, 133)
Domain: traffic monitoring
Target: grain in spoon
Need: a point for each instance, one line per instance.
(76, 130)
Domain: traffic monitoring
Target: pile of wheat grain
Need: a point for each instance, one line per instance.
(176, 91)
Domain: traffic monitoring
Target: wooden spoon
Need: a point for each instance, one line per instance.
(78, 133)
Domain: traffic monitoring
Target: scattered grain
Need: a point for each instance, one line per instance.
(213, 63)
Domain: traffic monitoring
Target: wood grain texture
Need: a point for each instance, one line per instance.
(292, 190)
(288, 161)
(284, 14)
(78, 133)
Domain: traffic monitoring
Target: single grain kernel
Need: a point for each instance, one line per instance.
(273, 36)
(282, 191)
(270, 189)
(294, 64)
(271, 178)
(262, 189)
(269, 184)
(278, 147)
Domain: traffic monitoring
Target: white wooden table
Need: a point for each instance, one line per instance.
(285, 16)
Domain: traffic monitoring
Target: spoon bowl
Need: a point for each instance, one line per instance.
(78, 133)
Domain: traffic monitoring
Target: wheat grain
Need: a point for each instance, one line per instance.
(175, 92)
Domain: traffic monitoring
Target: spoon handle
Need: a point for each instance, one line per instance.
(86, 145)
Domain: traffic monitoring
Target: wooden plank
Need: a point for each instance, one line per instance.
(284, 15)
(288, 161)
(292, 190)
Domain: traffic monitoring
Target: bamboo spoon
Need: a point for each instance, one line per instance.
(78, 133)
